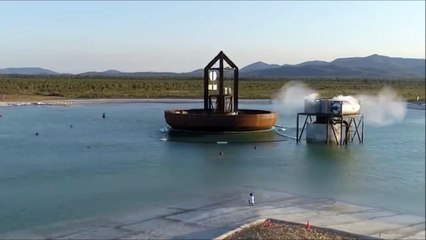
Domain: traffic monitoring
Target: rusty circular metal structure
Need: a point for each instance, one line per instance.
(201, 120)
(220, 112)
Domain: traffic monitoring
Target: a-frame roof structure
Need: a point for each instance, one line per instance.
(221, 57)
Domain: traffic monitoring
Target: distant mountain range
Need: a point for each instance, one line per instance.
(374, 66)
(28, 71)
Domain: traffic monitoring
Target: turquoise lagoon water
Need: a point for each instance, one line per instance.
(120, 164)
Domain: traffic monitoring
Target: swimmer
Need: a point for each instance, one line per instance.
(221, 153)
(103, 115)
(36, 133)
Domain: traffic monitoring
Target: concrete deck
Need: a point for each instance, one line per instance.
(194, 220)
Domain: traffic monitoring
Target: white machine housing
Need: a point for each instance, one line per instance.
(331, 106)
(322, 130)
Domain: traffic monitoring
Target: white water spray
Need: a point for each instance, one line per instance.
(290, 99)
(383, 109)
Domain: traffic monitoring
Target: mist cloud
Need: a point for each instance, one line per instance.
(290, 99)
(384, 109)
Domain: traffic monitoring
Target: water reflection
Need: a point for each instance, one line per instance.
(223, 138)
(329, 168)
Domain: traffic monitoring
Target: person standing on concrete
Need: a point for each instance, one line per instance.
(308, 226)
(251, 199)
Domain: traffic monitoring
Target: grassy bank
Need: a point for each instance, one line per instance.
(15, 88)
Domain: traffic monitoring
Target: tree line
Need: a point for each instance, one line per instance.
(70, 87)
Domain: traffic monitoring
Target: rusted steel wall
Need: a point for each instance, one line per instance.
(201, 120)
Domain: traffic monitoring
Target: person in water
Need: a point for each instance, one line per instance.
(103, 115)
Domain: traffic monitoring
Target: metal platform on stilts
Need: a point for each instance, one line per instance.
(330, 125)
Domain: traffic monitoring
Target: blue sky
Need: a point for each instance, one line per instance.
(180, 36)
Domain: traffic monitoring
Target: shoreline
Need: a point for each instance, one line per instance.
(70, 102)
